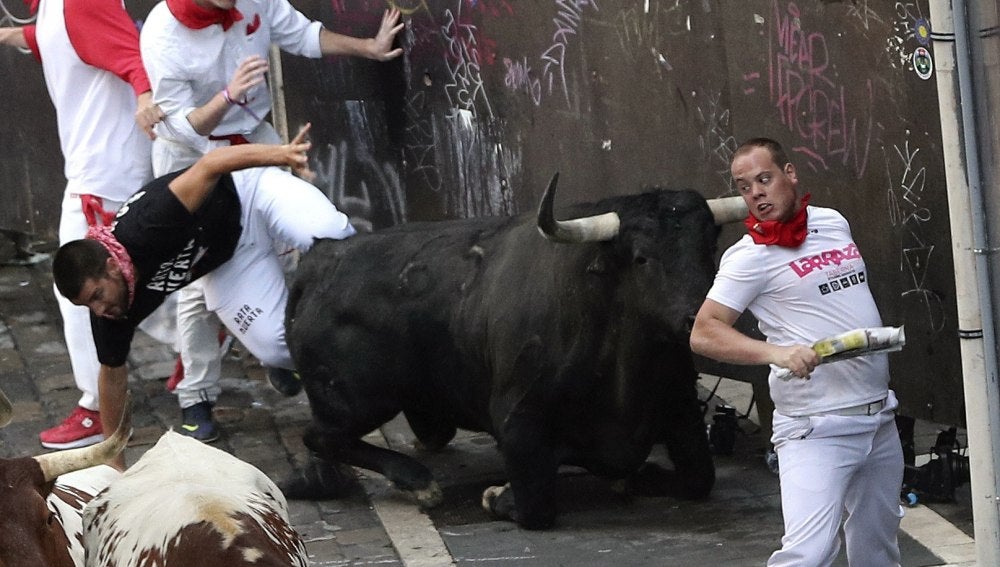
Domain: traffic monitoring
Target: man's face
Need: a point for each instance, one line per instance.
(106, 296)
(768, 190)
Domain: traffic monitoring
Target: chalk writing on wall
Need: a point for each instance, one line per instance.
(909, 212)
(811, 99)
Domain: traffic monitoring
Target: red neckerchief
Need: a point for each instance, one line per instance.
(196, 17)
(107, 239)
(789, 234)
(32, 6)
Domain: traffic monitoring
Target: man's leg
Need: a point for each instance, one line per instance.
(814, 474)
(248, 293)
(873, 507)
(83, 426)
(198, 330)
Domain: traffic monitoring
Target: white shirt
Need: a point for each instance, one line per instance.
(106, 152)
(802, 295)
(187, 67)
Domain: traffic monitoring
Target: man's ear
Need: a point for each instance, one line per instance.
(790, 172)
(111, 267)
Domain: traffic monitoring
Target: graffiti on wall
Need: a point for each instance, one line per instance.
(810, 97)
(908, 212)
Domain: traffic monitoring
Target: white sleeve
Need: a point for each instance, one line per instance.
(292, 31)
(740, 278)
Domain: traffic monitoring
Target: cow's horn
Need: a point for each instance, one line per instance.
(6, 410)
(62, 462)
(728, 209)
(597, 228)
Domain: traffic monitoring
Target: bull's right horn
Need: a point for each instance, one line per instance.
(597, 228)
(62, 462)
(728, 209)
(6, 410)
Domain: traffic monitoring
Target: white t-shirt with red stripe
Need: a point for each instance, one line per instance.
(89, 52)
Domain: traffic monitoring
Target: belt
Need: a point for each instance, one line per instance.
(233, 139)
(863, 409)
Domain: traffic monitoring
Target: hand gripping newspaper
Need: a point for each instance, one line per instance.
(859, 342)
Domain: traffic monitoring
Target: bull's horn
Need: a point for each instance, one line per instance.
(62, 462)
(728, 209)
(598, 228)
(6, 410)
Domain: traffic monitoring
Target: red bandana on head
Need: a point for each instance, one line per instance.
(789, 234)
(196, 17)
(107, 239)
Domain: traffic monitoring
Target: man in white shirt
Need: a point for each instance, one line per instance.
(89, 52)
(800, 273)
(207, 61)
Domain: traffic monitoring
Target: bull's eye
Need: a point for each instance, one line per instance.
(51, 519)
(641, 260)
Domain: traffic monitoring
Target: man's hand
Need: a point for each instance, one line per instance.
(801, 360)
(248, 75)
(13, 37)
(147, 113)
(295, 154)
(382, 42)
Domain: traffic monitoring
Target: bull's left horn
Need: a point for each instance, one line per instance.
(62, 462)
(6, 410)
(728, 209)
(598, 228)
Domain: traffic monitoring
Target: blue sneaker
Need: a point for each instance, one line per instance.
(197, 422)
(284, 381)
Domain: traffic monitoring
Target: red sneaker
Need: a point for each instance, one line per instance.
(81, 428)
(177, 376)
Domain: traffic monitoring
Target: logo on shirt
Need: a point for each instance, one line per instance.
(824, 260)
(254, 25)
(842, 283)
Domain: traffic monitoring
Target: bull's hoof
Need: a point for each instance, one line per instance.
(427, 497)
(499, 502)
(320, 481)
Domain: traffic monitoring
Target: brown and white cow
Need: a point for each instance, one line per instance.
(41, 499)
(187, 504)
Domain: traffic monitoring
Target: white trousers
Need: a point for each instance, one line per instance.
(835, 468)
(248, 292)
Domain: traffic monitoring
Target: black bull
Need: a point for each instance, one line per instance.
(566, 353)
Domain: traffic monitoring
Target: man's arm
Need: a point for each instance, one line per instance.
(249, 74)
(112, 387)
(378, 48)
(194, 185)
(714, 336)
(13, 37)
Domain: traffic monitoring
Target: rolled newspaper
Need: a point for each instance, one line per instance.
(859, 342)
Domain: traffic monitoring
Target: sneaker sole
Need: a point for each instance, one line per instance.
(184, 432)
(83, 442)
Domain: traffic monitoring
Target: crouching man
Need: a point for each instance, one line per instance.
(218, 220)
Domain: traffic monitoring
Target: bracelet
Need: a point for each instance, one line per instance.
(242, 104)
(229, 99)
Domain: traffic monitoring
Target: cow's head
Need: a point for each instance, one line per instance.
(660, 249)
(32, 534)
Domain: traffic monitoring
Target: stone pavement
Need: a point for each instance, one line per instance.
(739, 525)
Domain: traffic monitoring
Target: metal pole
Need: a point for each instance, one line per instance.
(972, 268)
